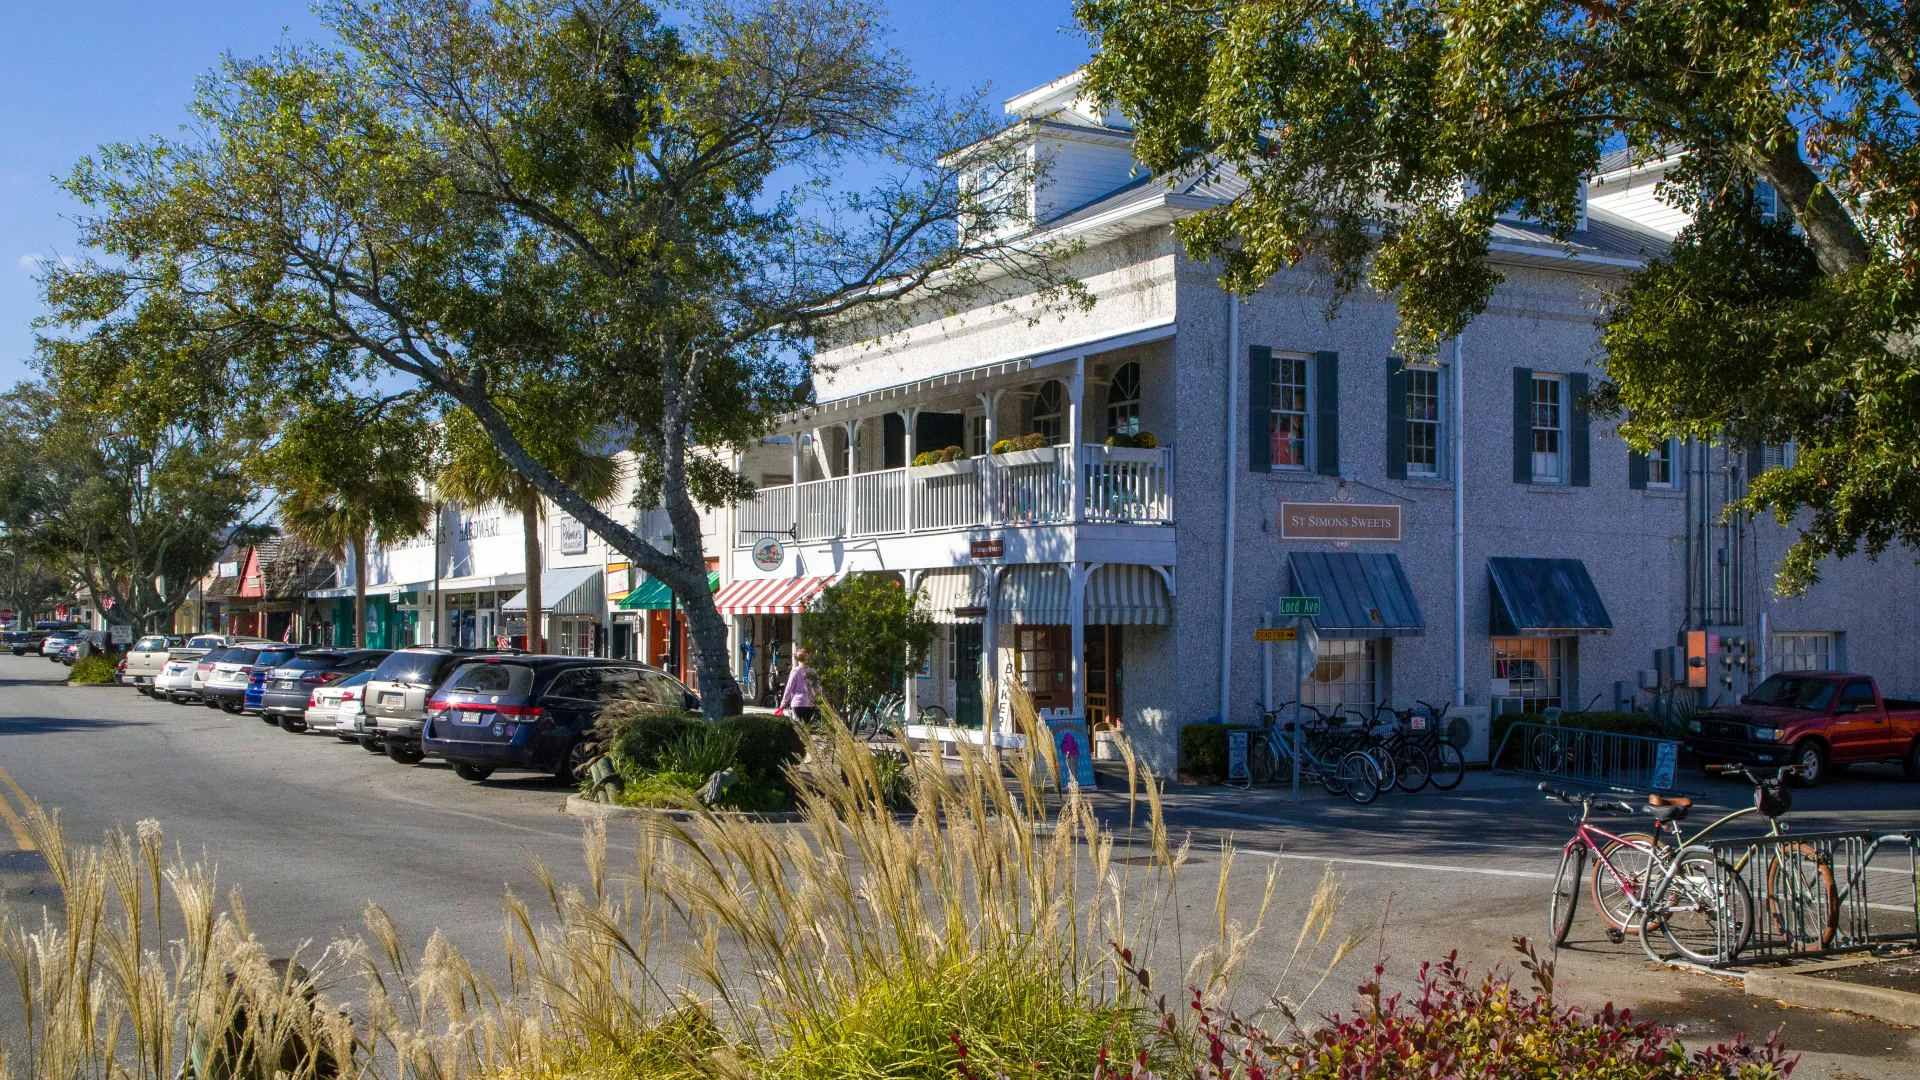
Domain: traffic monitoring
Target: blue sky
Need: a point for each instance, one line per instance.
(79, 73)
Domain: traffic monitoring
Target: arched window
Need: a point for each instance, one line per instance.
(1050, 412)
(1123, 401)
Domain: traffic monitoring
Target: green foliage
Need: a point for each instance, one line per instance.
(91, 670)
(940, 457)
(767, 745)
(1380, 143)
(895, 774)
(1203, 752)
(865, 633)
(638, 732)
(1035, 441)
(1144, 440)
(701, 750)
(661, 790)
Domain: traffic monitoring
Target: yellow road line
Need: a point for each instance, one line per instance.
(18, 827)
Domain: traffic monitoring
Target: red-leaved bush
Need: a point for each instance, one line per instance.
(1453, 1028)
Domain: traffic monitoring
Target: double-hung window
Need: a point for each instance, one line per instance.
(1661, 465)
(1549, 429)
(1804, 652)
(1290, 412)
(1423, 421)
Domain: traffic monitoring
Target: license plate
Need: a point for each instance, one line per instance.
(393, 700)
(283, 684)
(471, 716)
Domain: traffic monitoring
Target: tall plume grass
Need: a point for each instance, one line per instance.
(1001, 920)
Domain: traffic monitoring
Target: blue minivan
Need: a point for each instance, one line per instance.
(534, 712)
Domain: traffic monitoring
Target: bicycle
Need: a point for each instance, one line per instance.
(1704, 914)
(1341, 772)
(1413, 765)
(1449, 765)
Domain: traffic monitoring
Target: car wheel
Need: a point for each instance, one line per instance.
(406, 753)
(1812, 759)
(372, 746)
(348, 738)
(292, 725)
(1911, 763)
(475, 773)
(267, 717)
(573, 763)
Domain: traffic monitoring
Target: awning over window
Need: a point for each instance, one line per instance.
(768, 596)
(1543, 598)
(570, 590)
(1121, 594)
(954, 589)
(1361, 595)
(653, 594)
(1036, 596)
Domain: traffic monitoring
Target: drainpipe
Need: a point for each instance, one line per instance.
(1226, 575)
(1459, 530)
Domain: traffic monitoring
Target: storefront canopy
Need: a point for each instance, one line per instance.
(1122, 594)
(768, 596)
(653, 594)
(570, 590)
(953, 590)
(1544, 597)
(1038, 595)
(1361, 595)
(388, 591)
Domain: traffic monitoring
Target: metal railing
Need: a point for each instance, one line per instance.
(1575, 755)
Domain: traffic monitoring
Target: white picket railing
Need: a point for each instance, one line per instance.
(1129, 486)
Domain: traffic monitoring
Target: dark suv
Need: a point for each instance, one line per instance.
(241, 669)
(396, 697)
(287, 690)
(533, 712)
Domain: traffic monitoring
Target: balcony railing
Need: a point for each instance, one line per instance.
(1024, 488)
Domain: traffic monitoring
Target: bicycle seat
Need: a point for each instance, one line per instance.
(1664, 809)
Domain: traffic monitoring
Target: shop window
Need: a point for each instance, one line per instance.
(1549, 428)
(1347, 674)
(977, 435)
(1123, 401)
(1423, 421)
(1041, 664)
(1803, 652)
(1535, 670)
(1050, 412)
(1288, 429)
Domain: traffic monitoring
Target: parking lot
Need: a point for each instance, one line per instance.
(312, 829)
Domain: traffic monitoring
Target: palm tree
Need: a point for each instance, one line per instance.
(474, 474)
(350, 478)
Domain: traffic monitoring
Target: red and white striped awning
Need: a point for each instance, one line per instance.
(768, 596)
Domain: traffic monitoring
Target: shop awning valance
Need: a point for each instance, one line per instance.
(1121, 594)
(1544, 597)
(1036, 596)
(653, 594)
(953, 589)
(570, 590)
(388, 591)
(768, 596)
(1362, 595)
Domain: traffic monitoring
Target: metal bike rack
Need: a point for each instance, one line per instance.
(1596, 758)
(1797, 914)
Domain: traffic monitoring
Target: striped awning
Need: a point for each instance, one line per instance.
(768, 596)
(1036, 596)
(953, 589)
(1127, 595)
(570, 590)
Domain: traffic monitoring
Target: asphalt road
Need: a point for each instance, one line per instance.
(312, 829)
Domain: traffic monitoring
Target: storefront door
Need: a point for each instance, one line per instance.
(966, 676)
(1041, 663)
(1104, 664)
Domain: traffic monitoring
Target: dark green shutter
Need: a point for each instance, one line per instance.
(1396, 418)
(1636, 470)
(1579, 433)
(1522, 425)
(1326, 378)
(1260, 408)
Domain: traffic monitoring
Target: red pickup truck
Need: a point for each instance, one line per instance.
(1821, 721)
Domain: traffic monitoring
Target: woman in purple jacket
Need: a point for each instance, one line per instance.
(800, 690)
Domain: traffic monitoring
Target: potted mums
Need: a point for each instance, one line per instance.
(1141, 447)
(951, 461)
(1026, 450)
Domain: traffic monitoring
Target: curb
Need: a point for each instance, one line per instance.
(91, 685)
(586, 808)
(1798, 987)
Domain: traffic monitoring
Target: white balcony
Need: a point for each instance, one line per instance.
(1033, 487)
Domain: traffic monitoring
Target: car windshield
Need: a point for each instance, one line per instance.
(148, 644)
(204, 643)
(239, 656)
(492, 678)
(275, 656)
(358, 680)
(1794, 691)
(311, 662)
(408, 667)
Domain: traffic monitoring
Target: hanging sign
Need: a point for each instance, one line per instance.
(1340, 521)
(573, 536)
(769, 553)
(987, 549)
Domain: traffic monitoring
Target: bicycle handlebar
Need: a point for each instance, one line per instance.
(1587, 799)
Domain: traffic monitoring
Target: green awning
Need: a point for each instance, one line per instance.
(653, 594)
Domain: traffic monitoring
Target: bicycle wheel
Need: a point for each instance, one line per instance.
(1382, 759)
(1566, 893)
(1448, 766)
(935, 716)
(1801, 898)
(1547, 754)
(1360, 777)
(1703, 908)
(1633, 860)
(1414, 766)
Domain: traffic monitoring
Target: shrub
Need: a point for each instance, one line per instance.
(1035, 441)
(1002, 446)
(1203, 752)
(865, 635)
(895, 775)
(92, 670)
(768, 744)
(636, 733)
(701, 751)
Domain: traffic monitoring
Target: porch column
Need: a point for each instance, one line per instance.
(1077, 613)
(1076, 416)
(908, 415)
(989, 476)
(910, 706)
(793, 489)
(852, 428)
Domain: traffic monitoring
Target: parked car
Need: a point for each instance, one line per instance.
(396, 697)
(23, 642)
(227, 683)
(1822, 721)
(335, 708)
(56, 643)
(533, 712)
(148, 657)
(180, 680)
(261, 673)
(287, 691)
(84, 643)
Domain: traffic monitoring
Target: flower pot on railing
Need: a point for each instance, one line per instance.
(942, 468)
(1015, 458)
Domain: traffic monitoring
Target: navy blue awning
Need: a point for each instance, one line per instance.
(1361, 596)
(1537, 597)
